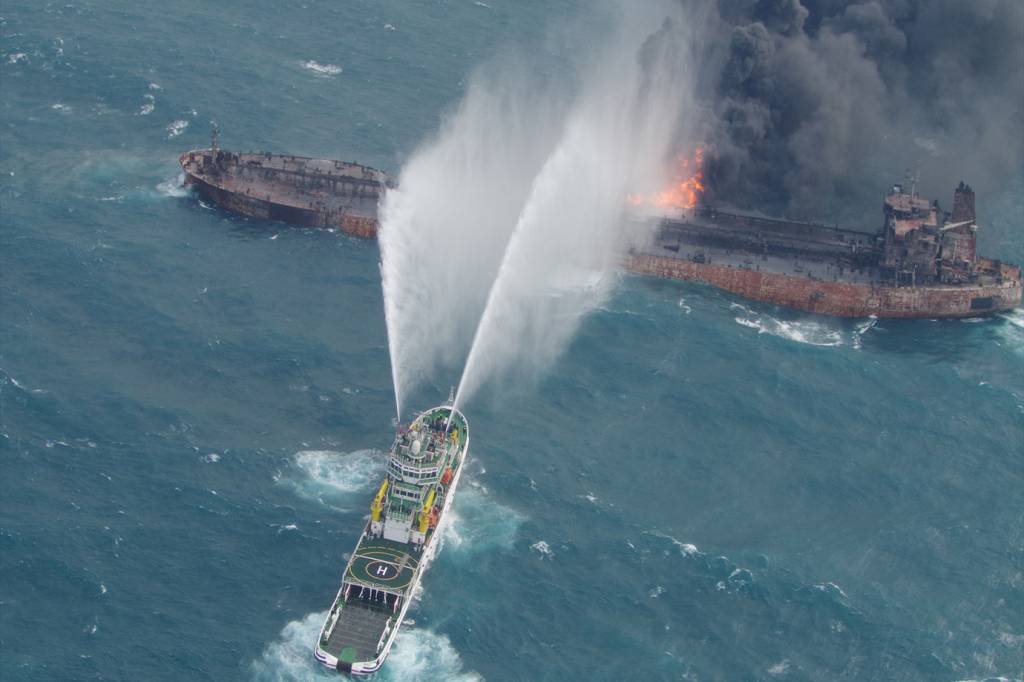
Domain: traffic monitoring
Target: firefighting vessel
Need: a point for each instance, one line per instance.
(398, 542)
(920, 263)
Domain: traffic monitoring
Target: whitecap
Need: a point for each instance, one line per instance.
(17, 58)
(801, 331)
(543, 548)
(61, 107)
(656, 592)
(147, 106)
(1012, 640)
(863, 328)
(175, 128)
(831, 589)
(211, 458)
(322, 69)
(780, 668)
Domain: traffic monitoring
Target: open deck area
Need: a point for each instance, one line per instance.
(357, 633)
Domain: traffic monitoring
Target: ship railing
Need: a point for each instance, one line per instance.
(332, 620)
(384, 635)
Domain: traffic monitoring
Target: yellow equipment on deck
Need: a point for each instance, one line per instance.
(425, 514)
(378, 502)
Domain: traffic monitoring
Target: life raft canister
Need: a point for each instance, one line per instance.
(446, 478)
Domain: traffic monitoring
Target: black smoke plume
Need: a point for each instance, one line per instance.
(814, 107)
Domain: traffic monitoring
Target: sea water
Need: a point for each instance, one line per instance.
(193, 405)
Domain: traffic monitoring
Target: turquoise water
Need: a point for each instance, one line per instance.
(192, 405)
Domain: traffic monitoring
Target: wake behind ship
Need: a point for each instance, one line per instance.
(398, 542)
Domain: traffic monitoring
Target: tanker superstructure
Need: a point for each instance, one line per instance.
(398, 542)
(922, 262)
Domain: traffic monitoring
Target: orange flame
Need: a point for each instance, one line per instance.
(686, 189)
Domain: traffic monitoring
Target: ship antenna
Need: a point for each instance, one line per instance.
(214, 136)
(451, 397)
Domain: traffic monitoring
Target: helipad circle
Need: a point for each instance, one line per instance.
(381, 570)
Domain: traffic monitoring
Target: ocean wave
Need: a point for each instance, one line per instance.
(1012, 329)
(542, 548)
(337, 474)
(173, 188)
(861, 329)
(322, 69)
(290, 658)
(685, 548)
(420, 654)
(810, 332)
(832, 590)
(175, 128)
(417, 654)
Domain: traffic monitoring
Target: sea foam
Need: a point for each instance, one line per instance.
(477, 523)
(334, 474)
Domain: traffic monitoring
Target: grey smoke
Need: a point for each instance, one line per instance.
(813, 107)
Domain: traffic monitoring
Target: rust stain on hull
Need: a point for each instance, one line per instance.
(838, 299)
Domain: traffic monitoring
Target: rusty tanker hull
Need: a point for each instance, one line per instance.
(839, 298)
(921, 264)
(293, 189)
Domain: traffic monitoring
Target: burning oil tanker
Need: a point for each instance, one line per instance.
(920, 263)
